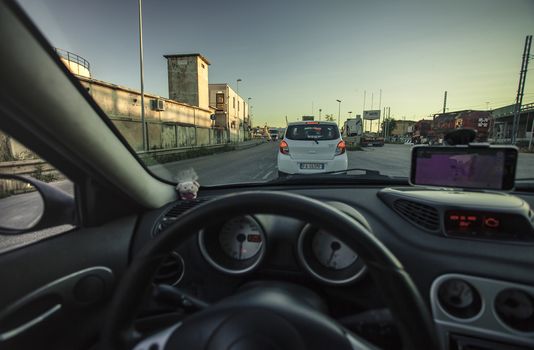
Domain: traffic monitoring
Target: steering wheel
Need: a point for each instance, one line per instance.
(267, 318)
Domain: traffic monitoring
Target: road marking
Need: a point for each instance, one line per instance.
(267, 175)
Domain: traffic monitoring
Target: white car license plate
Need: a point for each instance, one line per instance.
(312, 166)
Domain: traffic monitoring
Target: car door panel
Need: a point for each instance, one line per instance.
(55, 291)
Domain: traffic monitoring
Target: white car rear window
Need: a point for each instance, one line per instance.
(312, 132)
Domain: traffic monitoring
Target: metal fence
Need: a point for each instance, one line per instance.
(74, 58)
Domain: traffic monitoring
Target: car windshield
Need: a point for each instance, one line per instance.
(221, 89)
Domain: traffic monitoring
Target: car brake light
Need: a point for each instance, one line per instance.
(284, 148)
(340, 149)
(312, 123)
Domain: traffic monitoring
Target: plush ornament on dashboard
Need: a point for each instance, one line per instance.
(187, 184)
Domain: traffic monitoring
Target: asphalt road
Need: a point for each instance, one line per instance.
(258, 164)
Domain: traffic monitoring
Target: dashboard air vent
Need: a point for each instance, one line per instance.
(174, 212)
(420, 214)
(171, 270)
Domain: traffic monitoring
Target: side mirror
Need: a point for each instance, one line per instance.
(27, 204)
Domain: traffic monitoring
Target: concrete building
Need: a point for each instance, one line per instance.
(188, 79)
(502, 121)
(402, 127)
(185, 119)
(169, 124)
(231, 111)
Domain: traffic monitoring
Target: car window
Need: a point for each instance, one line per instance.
(312, 132)
(389, 74)
(21, 206)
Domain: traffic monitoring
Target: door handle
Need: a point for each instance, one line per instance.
(27, 325)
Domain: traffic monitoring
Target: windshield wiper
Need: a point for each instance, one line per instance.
(312, 139)
(367, 172)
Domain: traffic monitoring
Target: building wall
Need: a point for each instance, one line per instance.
(234, 112)
(402, 127)
(188, 79)
(179, 125)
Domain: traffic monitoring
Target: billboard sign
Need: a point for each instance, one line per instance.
(371, 115)
(307, 118)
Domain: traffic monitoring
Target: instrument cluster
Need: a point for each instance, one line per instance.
(240, 244)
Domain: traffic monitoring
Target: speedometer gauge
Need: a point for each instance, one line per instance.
(331, 252)
(241, 238)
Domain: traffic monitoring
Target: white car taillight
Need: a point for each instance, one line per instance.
(284, 148)
(340, 149)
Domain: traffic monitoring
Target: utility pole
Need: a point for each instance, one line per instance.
(521, 88)
(531, 134)
(388, 122)
(142, 73)
(379, 108)
(237, 110)
(372, 105)
(338, 112)
(445, 102)
(384, 121)
(363, 111)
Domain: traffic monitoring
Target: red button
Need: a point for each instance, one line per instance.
(491, 222)
(472, 218)
(454, 217)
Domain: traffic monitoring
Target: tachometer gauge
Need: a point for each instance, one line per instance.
(241, 238)
(331, 252)
(328, 259)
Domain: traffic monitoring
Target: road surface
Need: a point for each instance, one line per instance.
(258, 164)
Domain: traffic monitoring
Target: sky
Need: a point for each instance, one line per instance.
(298, 56)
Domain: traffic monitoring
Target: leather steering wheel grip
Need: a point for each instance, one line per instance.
(399, 292)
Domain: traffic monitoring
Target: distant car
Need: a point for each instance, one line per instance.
(311, 147)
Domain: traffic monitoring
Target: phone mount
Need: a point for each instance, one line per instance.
(459, 137)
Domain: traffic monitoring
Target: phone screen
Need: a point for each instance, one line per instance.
(464, 167)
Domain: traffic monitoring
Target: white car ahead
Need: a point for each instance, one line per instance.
(311, 147)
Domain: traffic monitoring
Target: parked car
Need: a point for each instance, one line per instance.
(311, 147)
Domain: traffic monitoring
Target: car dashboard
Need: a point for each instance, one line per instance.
(475, 277)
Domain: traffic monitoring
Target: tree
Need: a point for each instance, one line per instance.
(329, 117)
(389, 124)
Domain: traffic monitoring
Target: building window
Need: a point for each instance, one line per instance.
(219, 100)
(233, 103)
(238, 104)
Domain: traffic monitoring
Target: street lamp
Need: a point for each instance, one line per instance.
(320, 110)
(235, 110)
(237, 85)
(338, 111)
(142, 74)
(248, 112)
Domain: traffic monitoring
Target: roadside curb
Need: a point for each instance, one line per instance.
(248, 145)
